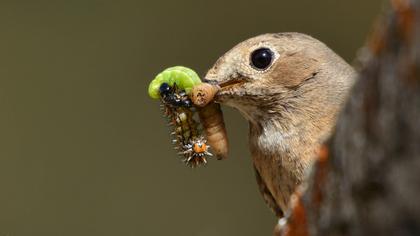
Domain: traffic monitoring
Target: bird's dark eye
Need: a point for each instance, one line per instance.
(261, 58)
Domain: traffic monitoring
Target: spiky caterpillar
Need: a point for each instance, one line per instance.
(187, 136)
(172, 87)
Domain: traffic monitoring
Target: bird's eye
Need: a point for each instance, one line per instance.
(261, 58)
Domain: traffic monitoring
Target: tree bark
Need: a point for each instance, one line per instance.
(367, 179)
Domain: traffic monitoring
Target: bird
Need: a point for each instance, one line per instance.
(290, 87)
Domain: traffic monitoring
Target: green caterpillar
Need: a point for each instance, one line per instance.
(183, 77)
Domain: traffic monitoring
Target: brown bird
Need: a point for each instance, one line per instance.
(290, 87)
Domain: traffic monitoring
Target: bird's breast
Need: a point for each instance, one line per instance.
(277, 164)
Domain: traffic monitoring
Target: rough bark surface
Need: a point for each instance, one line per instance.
(367, 180)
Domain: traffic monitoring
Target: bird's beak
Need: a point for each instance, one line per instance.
(230, 83)
(225, 85)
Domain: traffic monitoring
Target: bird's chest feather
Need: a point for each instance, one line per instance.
(279, 165)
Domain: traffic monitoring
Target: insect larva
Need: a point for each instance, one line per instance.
(202, 94)
(183, 77)
(172, 87)
(211, 117)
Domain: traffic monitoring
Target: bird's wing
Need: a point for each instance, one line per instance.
(268, 198)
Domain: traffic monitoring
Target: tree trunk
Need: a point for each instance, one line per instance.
(367, 179)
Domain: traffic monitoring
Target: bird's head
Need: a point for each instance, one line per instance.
(279, 74)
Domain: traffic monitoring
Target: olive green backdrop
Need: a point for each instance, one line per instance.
(84, 151)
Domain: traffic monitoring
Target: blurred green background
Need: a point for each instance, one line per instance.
(84, 151)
